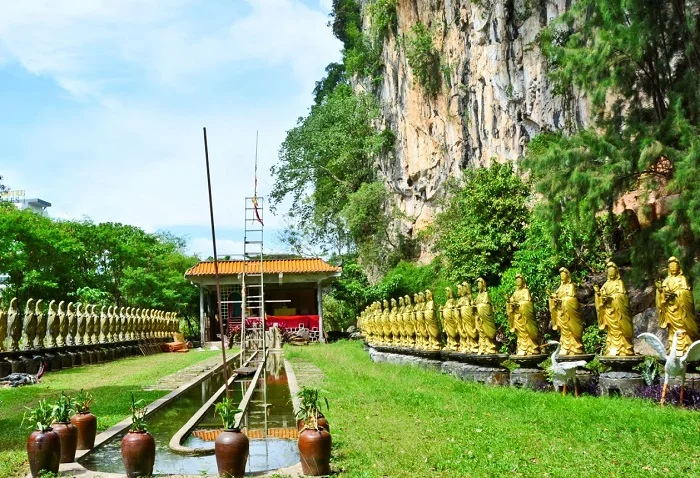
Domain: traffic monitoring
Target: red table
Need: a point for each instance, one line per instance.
(283, 321)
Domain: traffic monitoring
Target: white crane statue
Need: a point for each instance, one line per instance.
(562, 372)
(675, 366)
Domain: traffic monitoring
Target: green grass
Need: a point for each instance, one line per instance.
(395, 421)
(110, 384)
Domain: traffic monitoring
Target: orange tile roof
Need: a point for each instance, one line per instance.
(273, 266)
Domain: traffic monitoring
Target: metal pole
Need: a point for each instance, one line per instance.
(216, 266)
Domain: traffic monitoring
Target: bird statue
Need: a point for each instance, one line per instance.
(675, 366)
(562, 372)
(19, 379)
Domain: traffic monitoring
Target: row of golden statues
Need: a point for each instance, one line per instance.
(80, 324)
(469, 327)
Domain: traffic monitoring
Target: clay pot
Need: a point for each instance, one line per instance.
(44, 451)
(231, 448)
(322, 422)
(68, 434)
(138, 454)
(315, 451)
(86, 423)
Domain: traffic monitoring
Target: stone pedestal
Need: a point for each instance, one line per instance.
(5, 367)
(534, 378)
(53, 361)
(621, 379)
(17, 365)
(31, 365)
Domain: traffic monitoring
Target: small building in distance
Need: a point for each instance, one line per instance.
(19, 199)
(293, 293)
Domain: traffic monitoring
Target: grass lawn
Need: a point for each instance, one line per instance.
(395, 421)
(110, 383)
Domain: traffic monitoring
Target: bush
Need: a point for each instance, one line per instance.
(383, 15)
(423, 58)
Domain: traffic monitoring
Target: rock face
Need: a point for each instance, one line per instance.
(494, 95)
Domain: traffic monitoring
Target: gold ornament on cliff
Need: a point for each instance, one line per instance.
(566, 315)
(674, 303)
(612, 305)
(521, 318)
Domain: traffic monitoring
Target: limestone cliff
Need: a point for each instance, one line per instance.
(494, 95)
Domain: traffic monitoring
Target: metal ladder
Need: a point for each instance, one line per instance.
(252, 286)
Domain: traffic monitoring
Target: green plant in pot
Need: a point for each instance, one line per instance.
(67, 432)
(44, 444)
(231, 446)
(138, 446)
(314, 439)
(85, 422)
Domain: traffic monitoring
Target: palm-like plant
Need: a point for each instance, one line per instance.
(138, 415)
(63, 408)
(82, 401)
(310, 406)
(39, 417)
(227, 410)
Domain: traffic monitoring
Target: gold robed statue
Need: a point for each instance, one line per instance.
(566, 315)
(410, 323)
(483, 312)
(521, 318)
(449, 322)
(612, 305)
(468, 333)
(401, 325)
(386, 324)
(431, 322)
(674, 303)
(393, 324)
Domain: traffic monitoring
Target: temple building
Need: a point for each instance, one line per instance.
(293, 293)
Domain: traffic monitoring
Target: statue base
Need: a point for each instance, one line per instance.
(572, 358)
(620, 383)
(528, 361)
(390, 355)
(5, 368)
(534, 378)
(621, 363)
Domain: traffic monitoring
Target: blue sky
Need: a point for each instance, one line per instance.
(102, 104)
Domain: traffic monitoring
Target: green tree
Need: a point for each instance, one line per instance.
(482, 223)
(327, 157)
(638, 62)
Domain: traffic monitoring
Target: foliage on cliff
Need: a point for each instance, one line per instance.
(639, 63)
(99, 263)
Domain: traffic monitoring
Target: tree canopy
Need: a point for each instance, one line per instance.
(99, 263)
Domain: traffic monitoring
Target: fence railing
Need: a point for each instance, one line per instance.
(59, 324)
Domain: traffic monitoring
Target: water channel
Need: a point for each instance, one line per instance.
(269, 422)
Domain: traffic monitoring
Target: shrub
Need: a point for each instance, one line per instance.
(423, 58)
(383, 15)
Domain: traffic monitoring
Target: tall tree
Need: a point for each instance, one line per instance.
(638, 61)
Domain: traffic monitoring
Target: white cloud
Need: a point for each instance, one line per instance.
(132, 151)
(203, 247)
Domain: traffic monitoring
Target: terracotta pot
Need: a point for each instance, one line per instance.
(322, 422)
(68, 434)
(138, 454)
(44, 451)
(231, 448)
(315, 451)
(86, 423)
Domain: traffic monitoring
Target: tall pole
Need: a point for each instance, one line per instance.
(216, 266)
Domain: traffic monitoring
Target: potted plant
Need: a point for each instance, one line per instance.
(314, 439)
(138, 446)
(231, 446)
(85, 422)
(67, 432)
(43, 445)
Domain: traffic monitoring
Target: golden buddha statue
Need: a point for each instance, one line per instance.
(612, 304)
(449, 322)
(400, 323)
(674, 303)
(386, 324)
(393, 325)
(408, 319)
(483, 312)
(419, 303)
(468, 333)
(521, 318)
(431, 322)
(566, 315)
